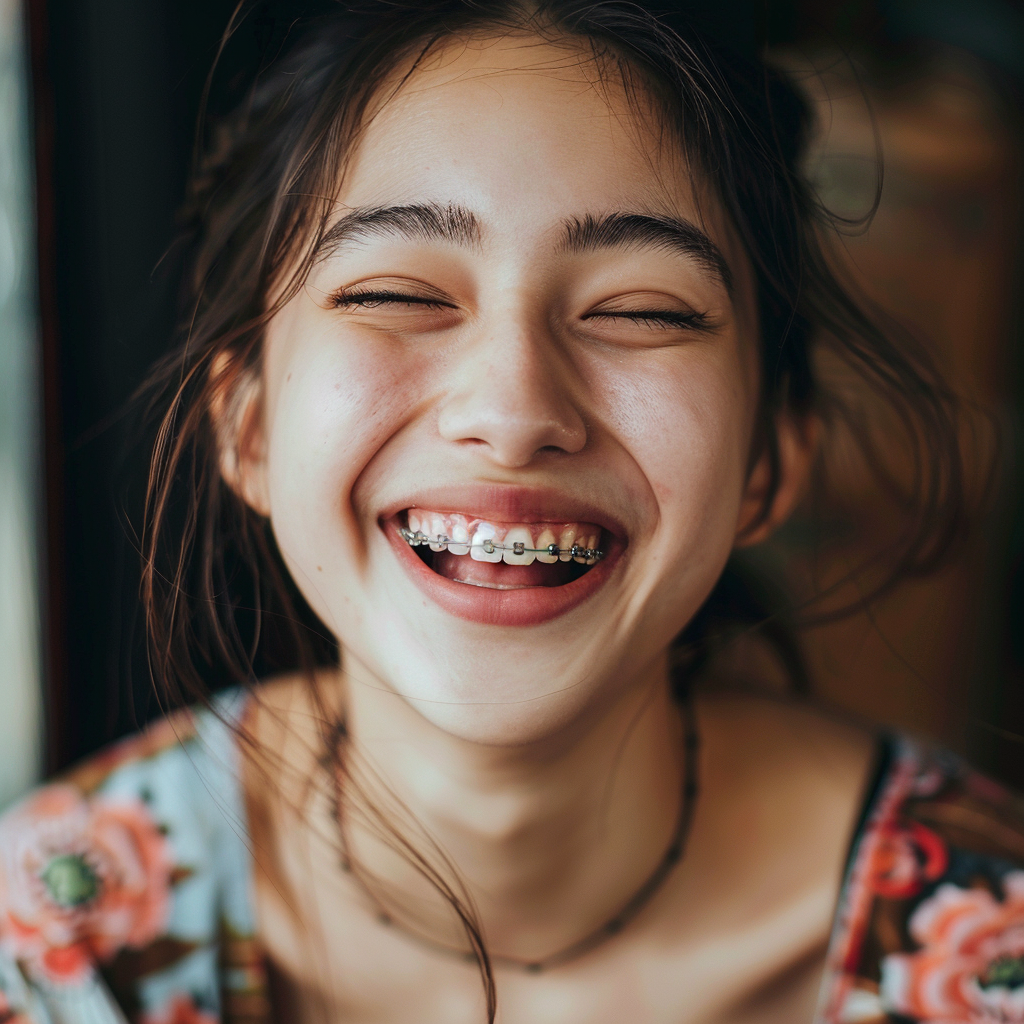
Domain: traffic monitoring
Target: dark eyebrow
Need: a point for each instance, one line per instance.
(425, 221)
(638, 229)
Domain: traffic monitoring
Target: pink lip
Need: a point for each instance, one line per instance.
(502, 503)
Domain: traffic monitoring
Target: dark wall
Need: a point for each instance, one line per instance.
(118, 85)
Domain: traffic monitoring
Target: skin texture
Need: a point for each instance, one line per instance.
(543, 759)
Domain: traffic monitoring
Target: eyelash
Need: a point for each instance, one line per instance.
(370, 300)
(651, 317)
(691, 321)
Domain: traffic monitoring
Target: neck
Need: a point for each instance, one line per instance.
(548, 840)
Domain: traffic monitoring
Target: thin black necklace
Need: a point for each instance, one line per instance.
(673, 855)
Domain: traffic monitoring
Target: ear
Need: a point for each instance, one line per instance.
(237, 411)
(797, 438)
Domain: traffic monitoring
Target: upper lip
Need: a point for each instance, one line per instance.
(507, 503)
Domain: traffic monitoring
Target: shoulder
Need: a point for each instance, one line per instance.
(806, 767)
(129, 865)
(931, 920)
(287, 720)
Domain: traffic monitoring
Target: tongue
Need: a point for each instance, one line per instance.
(500, 575)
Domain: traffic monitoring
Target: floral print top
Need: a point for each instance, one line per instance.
(126, 892)
(930, 922)
(126, 887)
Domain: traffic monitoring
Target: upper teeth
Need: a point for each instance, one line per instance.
(489, 550)
(480, 539)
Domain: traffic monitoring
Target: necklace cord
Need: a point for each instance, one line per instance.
(641, 897)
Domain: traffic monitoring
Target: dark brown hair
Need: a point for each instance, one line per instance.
(215, 593)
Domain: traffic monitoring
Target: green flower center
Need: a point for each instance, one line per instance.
(70, 881)
(1007, 972)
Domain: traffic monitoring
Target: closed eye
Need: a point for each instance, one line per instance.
(655, 318)
(379, 297)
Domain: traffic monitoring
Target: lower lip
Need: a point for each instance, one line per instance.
(527, 606)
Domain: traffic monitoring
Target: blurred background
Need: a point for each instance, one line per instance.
(98, 100)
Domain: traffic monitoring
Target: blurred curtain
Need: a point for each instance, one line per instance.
(20, 685)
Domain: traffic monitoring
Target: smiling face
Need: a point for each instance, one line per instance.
(528, 340)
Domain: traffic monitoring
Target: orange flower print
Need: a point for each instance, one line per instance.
(907, 855)
(181, 1010)
(79, 880)
(970, 968)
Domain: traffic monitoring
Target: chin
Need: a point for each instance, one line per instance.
(507, 694)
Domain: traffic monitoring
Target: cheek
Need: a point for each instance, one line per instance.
(337, 400)
(683, 420)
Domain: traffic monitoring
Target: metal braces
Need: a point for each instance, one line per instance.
(416, 538)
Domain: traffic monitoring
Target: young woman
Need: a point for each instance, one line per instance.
(500, 341)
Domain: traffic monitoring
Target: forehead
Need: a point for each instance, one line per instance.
(520, 128)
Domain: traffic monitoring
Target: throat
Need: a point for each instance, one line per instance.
(523, 827)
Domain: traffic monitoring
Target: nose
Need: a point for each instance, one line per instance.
(512, 394)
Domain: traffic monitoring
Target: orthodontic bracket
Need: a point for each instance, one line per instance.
(418, 537)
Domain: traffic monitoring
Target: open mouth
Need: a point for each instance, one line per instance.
(501, 556)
